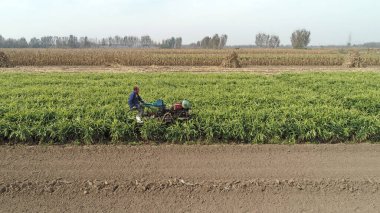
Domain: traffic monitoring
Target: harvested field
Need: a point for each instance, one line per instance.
(184, 57)
(173, 178)
(269, 70)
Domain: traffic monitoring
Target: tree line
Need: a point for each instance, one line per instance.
(84, 42)
(214, 42)
(75, 42)
(299, 39)
(171, 43)
(146, 41)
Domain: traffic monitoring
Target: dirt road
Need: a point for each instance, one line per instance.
(181, 178)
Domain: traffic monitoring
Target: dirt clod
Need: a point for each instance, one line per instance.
(3, 189)
(49, 189)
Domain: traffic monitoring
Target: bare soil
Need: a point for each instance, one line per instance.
(196, 69)
(190, 178)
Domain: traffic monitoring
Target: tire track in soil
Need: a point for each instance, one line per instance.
(60, 186)
(180, 178)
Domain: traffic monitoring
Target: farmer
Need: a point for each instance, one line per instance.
(134, 103)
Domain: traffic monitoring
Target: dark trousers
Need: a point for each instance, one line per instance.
(140, 110)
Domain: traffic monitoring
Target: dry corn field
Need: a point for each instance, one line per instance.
(184, 57)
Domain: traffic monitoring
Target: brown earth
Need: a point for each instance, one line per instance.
(190, 178)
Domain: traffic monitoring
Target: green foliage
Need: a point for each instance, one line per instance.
(152, 130)
(92, 108)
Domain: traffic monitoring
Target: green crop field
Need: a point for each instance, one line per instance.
(231, 107)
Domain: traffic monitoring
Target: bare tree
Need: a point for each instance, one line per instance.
(86, 42)
(262, 40)
(215, 41)
(205, 43)
(131, 41)
(178, 43)
(118, 41)
(47, 42)
(223, 41)
(2, 40)
(274, 41)
(22, 43)
(168, 43)
(35, 43)
(73, 42)
(104, 42)
(110, 41)
(300, 39)
(146, 41)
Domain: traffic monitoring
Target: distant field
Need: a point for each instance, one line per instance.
(183, 57)
(230, 107)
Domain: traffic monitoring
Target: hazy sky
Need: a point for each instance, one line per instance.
(330, 21)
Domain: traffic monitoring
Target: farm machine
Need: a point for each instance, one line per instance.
(178, 111)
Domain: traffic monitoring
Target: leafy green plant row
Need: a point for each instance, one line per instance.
(231, 107)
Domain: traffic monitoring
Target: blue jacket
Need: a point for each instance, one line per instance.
(134, 100)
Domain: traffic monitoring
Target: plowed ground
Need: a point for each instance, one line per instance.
(181, 178)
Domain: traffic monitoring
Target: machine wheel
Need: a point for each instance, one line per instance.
(167, 118)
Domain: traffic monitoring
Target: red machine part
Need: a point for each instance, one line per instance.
(177, 106)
